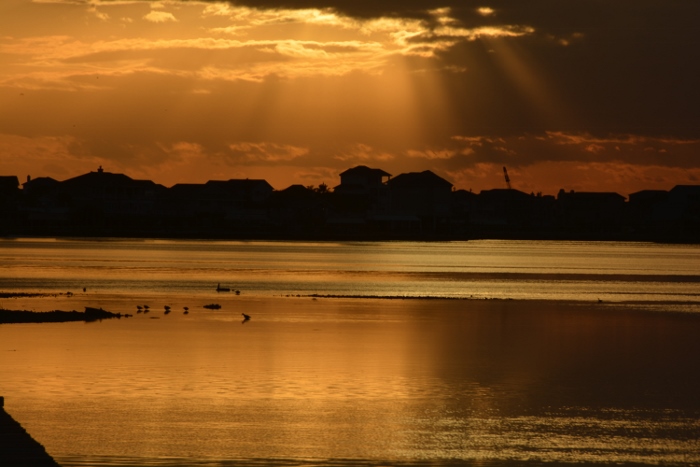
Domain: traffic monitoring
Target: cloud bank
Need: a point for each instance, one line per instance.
(580, 94)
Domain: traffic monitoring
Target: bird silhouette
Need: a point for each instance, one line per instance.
(245, 317)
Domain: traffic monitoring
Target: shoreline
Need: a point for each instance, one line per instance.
(476, 234)
(135, 236)
(315, 296)
(521, 306)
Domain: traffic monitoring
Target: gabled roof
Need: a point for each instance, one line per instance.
(41, 182)
(419, 179)
(297, 190)
(686, 189)
(684, 194)
(646, 196)
(293, 194)
(41, 186)
(364, 171)
(649, 193)
(101, 180)
(593, 195)
(98, 178)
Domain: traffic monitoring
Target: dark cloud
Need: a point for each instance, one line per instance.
(621, 66)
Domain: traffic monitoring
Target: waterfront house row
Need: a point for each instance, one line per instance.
(368, 202)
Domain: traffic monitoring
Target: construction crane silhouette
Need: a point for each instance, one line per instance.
(505, 174)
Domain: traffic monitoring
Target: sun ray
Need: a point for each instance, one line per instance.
(530, 82)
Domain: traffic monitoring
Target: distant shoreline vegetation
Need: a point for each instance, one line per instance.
(368, 204)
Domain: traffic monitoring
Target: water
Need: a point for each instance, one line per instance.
(480, 269)
(553, 376)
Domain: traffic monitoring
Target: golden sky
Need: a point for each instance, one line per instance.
(582, 94)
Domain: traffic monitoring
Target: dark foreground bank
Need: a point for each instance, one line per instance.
(57, 316)
(17, 447)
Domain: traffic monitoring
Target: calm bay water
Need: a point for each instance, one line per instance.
(479, 269)
(550, 376)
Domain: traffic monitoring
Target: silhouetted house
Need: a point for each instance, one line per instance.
(187, 204)
(421, 193)
(361, 189)
(241, 192)
(684, 201)
(641, 206)
(298, 210)
(362, 180)
(44, 206)
(689, 197)
(502, 210)
(647, 197)
(423, 196)
(112, 201)
(41, 187)
(294, 199)
(591, 212)
(678, 216)
(218, 207)
(244, 201)
(463, 206)
(464, 203)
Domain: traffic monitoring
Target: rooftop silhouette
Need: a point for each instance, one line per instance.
(368, 203)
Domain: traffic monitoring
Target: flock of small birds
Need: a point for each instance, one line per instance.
(167, 308)
(186, 310)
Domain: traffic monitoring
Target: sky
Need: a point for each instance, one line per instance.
(585, 95)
